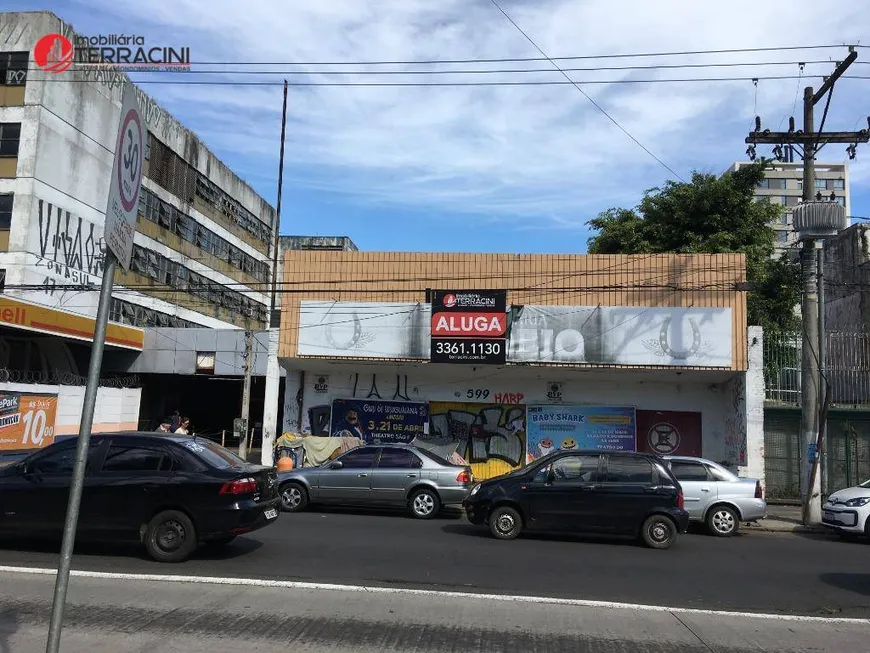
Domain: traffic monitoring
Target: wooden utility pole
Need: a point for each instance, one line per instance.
(811, 274)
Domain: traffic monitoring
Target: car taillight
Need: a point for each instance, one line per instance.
(240, 486)
(464, 477)
(759, 493)
(680, 500)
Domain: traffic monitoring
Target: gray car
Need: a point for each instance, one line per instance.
(379, 475)
(715, 496)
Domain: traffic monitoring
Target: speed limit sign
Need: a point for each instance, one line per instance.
(123, 204)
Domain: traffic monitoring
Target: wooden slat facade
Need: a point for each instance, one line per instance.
(675, 280)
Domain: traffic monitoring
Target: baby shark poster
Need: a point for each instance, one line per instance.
(601, 428)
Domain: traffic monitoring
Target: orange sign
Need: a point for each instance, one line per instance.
(26, 421)
(49, 320)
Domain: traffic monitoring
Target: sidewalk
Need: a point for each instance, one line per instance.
(784, 519)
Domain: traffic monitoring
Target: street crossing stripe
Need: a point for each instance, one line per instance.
(369, 589)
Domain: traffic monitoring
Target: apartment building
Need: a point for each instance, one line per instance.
(203, 243)
(783, 185)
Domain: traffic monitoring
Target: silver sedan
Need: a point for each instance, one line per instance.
(716, 497)
(382, 475)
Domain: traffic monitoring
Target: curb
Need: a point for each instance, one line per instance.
(797, 528)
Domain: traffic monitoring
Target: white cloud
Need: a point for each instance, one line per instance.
(520, 152)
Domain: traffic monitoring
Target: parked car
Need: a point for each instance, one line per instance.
(168, 492)
(616, 493)
(386, 475)
(715, 496)
(848, 511)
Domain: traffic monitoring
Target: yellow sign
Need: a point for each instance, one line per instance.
(26, 421)
(49, 320)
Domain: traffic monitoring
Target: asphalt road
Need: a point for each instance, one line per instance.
(758, 572)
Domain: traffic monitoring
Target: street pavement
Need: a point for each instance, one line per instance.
(758, 572)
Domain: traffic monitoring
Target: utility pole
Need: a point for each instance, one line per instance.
(273, 371)
(246, 394)
(814, 221)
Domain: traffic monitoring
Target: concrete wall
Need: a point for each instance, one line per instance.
(704, 392)
(117, 409)
(847, 272)
(65, 159)
(173, 351)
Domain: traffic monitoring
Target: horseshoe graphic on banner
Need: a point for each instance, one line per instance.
(347, 344)
(680, 354)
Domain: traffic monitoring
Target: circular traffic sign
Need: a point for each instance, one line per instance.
(131, 152)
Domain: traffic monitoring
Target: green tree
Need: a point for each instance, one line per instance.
(711, 215)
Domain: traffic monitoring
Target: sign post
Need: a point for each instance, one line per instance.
(121, 211)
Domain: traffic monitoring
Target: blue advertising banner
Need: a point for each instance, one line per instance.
(378, 422)
(603, 428)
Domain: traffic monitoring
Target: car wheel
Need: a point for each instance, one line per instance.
(425, 504)
(170, 537)
(659, 532)
(294, 497)
(723, 521)
(505, 523)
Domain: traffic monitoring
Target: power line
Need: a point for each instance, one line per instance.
(490, 71)
(586, 95)
(545, 58)
(568, 82)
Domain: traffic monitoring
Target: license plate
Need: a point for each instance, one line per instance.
(271, 513)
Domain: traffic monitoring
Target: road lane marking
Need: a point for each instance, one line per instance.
(370, 589)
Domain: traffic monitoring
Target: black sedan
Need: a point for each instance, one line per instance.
(625, 494)
(168, 492)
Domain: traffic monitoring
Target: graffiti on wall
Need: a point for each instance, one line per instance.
(69, 246)
(735, 422)
(491, 437)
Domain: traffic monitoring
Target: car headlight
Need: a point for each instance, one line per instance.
(475, 490)
(857, 503)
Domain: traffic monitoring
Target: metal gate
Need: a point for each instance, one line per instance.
(846, 458)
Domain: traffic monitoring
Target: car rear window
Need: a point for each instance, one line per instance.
(212, 453)
(434, 457)
(630, 470)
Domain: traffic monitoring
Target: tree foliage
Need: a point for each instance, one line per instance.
(711, 215)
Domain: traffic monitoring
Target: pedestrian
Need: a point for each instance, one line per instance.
(183, 427)
(175, 421)
(165, 425)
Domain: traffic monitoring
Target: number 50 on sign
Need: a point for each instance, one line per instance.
(30, 425)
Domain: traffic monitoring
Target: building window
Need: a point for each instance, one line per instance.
(778, 183)
(841, 201)
(783, 200)
(785, 218)
(764, 183)
(839, 184)
(782, 237)
(800, 184)
(5, 211)
(821, 184)
(205, 362)
(13, 68)
(10, 134)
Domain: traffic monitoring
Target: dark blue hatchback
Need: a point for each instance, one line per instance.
(605, 493)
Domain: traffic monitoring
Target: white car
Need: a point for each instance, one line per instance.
(848, 511)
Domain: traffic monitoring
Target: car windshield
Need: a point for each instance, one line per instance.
(212, 453)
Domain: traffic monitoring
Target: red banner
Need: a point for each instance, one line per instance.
(479, 325)
(667, 432)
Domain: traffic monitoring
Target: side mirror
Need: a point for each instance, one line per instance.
(337, 465)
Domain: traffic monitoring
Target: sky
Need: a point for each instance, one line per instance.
(518, 169)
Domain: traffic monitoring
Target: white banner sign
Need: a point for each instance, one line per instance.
(606, 335)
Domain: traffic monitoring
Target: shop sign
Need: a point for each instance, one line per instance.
(321, 384)
(469, 326)
(26, 420)
(602, 428)
(379, 422)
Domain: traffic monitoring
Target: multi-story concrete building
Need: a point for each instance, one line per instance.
(783, 184)
(203, 244)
